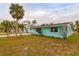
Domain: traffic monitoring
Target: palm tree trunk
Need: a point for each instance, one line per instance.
(16, 27)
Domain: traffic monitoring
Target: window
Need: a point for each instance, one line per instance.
(54, 29)
(38, 29)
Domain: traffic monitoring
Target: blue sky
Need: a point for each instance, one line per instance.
(44, 12)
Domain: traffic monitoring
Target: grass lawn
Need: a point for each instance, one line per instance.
(39, 45)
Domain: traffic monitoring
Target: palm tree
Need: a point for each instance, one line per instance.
(6, 26)
(17, 12)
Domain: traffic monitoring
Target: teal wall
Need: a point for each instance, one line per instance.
(46, 31)
(34, 31)
(69, 30)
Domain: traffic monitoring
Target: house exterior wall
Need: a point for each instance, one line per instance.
(70, 31)
(46, 31)
(34, 31)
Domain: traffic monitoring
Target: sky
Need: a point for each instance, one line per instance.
(44, 12)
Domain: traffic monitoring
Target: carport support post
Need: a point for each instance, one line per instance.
(65, 31)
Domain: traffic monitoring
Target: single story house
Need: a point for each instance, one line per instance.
(60, 30)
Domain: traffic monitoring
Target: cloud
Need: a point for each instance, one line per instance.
(47, 13)
(57, 14)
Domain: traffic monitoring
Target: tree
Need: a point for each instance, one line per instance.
(17, 12)
(1, 28)
(28, 25)
(73, 26)
(77, 26)
(21, 26)
(34, 22)
(6, 26)
(13, 25)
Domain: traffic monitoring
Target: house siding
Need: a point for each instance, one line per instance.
(34, 31)
(46, 31)
(69, 30)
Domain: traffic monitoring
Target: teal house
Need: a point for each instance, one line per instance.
(60, 30)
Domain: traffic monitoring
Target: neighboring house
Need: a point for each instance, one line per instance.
(60, 30)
